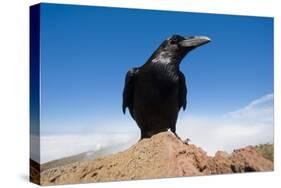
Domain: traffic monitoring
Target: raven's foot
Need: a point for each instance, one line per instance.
(177, 135)
(186, 141)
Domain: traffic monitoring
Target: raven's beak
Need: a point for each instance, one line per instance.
(194, 41)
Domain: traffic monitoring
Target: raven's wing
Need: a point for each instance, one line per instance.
(128, 93)
(182, 91)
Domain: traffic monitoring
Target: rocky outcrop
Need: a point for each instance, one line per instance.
(163, 155)
(242, 160)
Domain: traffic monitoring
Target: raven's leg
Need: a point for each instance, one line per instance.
(173, 129)
(143, 134)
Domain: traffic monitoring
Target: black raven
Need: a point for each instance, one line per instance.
(155, 92)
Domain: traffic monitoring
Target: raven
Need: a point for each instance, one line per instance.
(155, 92)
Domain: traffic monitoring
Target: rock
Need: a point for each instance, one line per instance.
(162, 155)
(249, 160)
(220, 163)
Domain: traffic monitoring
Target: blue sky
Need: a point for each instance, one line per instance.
(86, 52)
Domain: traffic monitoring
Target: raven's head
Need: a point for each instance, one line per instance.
(174, 48)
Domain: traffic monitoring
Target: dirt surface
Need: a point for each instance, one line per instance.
(161, 156)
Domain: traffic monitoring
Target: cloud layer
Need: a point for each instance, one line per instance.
(58, 146)
(250, 125)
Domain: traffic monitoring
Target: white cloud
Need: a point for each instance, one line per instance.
(58, 146)
(224, 134)
(260, 109)
(250, 125)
